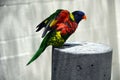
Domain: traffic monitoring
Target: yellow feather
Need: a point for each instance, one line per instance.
(56, 40)
(58, 35)
(53, 23)
(72, 17)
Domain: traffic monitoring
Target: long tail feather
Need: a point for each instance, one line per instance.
(37, 54)
(40, 50)
(42, 47)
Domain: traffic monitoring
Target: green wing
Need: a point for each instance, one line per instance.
(47, 23)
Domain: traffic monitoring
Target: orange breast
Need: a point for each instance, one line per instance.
(67, 27)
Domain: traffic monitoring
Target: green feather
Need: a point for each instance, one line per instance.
(46, 23)
(52, 17)
(56, 39)
(49, 21)
(41, 48)
(52, 38)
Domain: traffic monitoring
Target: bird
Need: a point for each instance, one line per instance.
(58, 27)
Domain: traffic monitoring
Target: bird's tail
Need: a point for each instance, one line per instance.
(40, 50)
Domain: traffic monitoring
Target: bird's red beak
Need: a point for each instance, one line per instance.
(84, 17)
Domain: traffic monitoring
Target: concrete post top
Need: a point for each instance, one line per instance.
(84, 48)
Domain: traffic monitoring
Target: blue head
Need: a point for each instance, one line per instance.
(79, 15)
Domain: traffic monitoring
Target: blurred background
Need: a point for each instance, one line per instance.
(19, 41)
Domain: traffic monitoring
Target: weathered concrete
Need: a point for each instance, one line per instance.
(83, 61)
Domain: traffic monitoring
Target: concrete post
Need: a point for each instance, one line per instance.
(82, 61)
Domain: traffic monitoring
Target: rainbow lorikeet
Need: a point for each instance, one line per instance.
(58, 27)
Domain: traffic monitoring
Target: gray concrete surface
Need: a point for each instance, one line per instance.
(83, 61)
